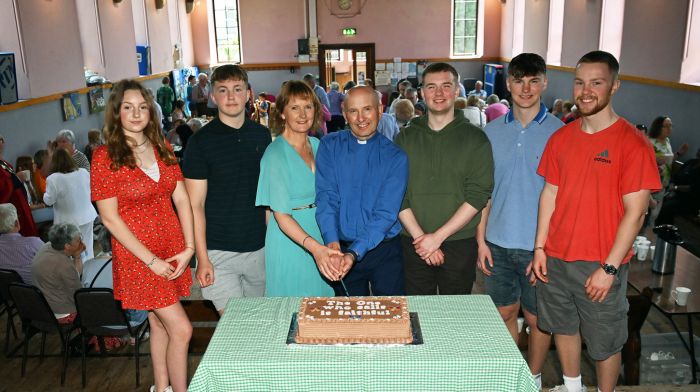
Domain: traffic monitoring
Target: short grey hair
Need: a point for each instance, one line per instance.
(194, 124)
(335, 86)
(62, 234)
(8, 217)
(66, 134)
(493, 98)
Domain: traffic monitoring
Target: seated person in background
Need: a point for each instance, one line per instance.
(65, 140)
(24, 167)
(473, 113)
(94, 142)
(495, 109)
(505, 103)
(12, 191)
(262, 107)
(684, 195)
(478, 91)
(460, 103)
(179, 110)
(409, 93)
(404, 112)
(195, 124)
(56, 270)
(419, 109)
(40, 159)
(16, 251)
(568, 114)
(97, 272)
(558, 108)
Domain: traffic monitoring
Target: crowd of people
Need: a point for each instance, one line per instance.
(352, 199)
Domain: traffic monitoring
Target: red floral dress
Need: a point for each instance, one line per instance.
(146, 208)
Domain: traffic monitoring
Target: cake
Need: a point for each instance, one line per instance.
(370, 320)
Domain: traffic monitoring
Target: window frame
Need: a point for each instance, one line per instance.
(478, 38)
(227, 3)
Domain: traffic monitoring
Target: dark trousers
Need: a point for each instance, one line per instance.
(382, 267)
(455, 276)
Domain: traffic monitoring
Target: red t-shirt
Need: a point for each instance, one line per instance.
(592, 173)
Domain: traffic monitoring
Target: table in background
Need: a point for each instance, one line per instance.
(467, 348)
(687, 274)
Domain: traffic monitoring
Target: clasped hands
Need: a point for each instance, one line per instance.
(166, 269)
(332, 263)
(427, 247)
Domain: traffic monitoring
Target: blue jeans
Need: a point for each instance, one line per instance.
(508, 283)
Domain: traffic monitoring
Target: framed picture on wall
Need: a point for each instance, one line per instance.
(97, 100)
(70, 105)
(8, 78)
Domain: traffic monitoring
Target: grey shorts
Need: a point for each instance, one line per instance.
(235, 275)
(564, 308)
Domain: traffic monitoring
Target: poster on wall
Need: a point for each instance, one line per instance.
(97, 100)
(8, 79)
(70, 105)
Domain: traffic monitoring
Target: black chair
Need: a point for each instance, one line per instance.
(8, 276)
(37, 316)
(99, 314)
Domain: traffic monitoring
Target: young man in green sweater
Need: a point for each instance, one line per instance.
(450, 180)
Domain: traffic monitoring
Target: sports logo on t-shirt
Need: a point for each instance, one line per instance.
(602, 157)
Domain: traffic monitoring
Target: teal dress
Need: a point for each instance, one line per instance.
(286, 182)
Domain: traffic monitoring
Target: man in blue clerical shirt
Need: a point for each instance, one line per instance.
(361, 179)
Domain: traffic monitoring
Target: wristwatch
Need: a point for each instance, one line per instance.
(609, 269)
(353, 254)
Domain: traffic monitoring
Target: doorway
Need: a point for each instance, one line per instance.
(345, 62)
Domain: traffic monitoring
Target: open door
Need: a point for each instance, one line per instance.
(345, 62)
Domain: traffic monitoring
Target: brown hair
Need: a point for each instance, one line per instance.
(24, 162)
(62, 162)
(292, 89)
(94, 136)
(118, 149)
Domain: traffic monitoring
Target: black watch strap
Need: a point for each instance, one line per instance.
(352, 253)
(609, 269)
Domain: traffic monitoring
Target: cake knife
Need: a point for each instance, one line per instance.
(344, 288)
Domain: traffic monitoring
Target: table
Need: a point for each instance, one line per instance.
(467, 348)
(687, 274)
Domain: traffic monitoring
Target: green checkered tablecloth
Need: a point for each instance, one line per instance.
(467, 348)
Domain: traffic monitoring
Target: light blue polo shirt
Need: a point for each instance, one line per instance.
(517, 151)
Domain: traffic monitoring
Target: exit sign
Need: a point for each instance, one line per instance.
(349, 31)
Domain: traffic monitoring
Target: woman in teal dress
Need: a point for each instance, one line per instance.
(296, 261)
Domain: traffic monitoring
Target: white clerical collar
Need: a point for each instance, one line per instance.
(361, 141)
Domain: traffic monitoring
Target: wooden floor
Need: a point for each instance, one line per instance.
(118, 373)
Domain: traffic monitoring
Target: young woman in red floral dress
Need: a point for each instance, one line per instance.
(135, 181)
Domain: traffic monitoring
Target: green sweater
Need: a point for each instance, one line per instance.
(446, 168)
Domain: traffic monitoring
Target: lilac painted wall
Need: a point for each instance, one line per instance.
(536, 27)
(53, 54)
(492, 28)
(399, 28)
(9, 42)
(119, 40)
(581, 30)
(270, 29)
(653, 39)
(89, 36)
(159, 38)
(506, 41)
(199, 23)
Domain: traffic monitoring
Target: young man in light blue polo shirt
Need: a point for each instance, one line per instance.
(506, 234)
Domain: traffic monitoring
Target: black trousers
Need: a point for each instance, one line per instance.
(455, 276)
(382, 267)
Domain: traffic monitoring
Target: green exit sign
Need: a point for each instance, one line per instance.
(349, 31)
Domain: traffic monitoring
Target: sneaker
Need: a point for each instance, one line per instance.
(563, 388)
(167, 389)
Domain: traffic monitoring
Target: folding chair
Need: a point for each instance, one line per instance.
(37, 316)
(8, 276)
(99, 314)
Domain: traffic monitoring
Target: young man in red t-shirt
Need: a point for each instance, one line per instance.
(599, 171)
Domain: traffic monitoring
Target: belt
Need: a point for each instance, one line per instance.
(312, 205)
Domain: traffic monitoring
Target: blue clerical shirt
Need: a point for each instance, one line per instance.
(359, 189)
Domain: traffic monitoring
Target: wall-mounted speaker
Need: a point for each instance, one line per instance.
(303, 46)
(189, 6)
(160, 4)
